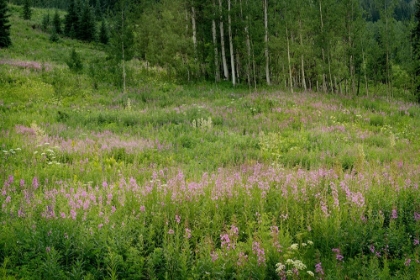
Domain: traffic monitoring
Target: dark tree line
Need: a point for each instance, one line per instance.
(4, 25)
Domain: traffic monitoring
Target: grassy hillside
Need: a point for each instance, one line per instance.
(196, 181)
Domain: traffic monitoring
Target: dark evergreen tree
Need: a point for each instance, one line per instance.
(57, 23)
(103, 33)
(416, 51)
(27, 11)
(74, 61)
(71, 20)
(98, 9)
(54, 36)
(87, 28)
(46, 22)
(4, 25)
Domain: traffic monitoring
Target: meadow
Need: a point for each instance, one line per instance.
(197, 181)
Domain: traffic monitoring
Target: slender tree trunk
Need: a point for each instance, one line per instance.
(324, 82)
(122, 48)
(216, 52)
(194, 29)
(232, 54)
(289, 62)
(267, 59)
(248, 45)
(302, 58)
(222, 43)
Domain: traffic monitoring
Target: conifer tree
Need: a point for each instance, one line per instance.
(27, 11)
(4, 25)
(86, 26)
(46, 22)
(57, 23)
(71, 20)
(416, 51)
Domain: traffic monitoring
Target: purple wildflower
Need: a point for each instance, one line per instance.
(318, 268)
(394, 214)
(35, 183)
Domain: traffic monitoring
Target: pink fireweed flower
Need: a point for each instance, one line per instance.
(259, 251)
(234, 230)
(48, 249)
(407, 262)
(416, 216)
(372, 248)
(224, 238)
(416, 242)
(319, 269)
(35, 183)
(142, 208)
(73, 214)
(10, 180)
(63, 215)
(171, 231)
(100, 226)
(8, 199)
(22, 183)
(394, 214)
(113, 209)
(338, 254)
(177, 219)
(21, 213)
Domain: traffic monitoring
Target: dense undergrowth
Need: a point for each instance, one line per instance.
(170, 181)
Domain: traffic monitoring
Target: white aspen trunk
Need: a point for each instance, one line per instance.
(222, 43)
(267, 61)
(248, 46)
(232, 55)
(324, 82)
(194, 29)
(122, 48)
(302, 62)
(364, 70)
(216, 52)
(289, 62)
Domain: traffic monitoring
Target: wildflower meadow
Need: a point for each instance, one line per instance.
(169, 181)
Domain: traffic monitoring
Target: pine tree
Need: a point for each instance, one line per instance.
(57, 23)
(27, 11)
(416, 51)
(46, 22)
(4, 25)
(87, 28)
(71, 20)
(74, 62)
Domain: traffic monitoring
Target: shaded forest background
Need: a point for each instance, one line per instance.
(346, 46)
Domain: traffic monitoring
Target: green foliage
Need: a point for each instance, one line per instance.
(200, 181)
(74, 61)
(56, 23)
(5, 40)
(27, 11)
(46, 22)
(103, 33)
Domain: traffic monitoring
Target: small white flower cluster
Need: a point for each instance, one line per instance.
(202, 123)
(293, 266)
(296, 264)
